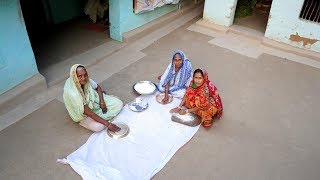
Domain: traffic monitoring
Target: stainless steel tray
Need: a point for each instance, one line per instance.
(138, 105)
(144, 87)
(189, 119)
(120, 134)
(160, 96)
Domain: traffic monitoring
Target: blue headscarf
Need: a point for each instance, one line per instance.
(184, 72)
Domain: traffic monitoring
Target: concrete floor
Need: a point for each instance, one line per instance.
(269, 128)
(29, 148)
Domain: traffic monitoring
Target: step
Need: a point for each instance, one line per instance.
(22, 92)
(291, 49)
(246, 32)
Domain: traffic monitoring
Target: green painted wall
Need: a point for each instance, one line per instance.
(17, 62)
(122, 18)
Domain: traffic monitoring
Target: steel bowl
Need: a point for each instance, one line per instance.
(144, 87)
(124, 131)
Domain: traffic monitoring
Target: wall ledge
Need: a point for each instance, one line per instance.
(24, 91)
(291, 49)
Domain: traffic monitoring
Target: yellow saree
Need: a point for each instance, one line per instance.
(75, 97)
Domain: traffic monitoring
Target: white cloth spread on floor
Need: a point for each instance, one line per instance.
(152, 141)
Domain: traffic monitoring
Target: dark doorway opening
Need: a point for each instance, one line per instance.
(253, 14)
(59, 30)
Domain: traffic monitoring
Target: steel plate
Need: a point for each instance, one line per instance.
(189, 119)
(124, 131)
(160, 96)
(138, 105)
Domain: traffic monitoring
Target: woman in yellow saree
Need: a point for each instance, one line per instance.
(87, 104)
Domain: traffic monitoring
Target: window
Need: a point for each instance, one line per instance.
(311, 10)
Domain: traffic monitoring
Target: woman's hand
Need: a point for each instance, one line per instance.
(182, 112)
(165, 100)
(175, 110)
(103, 107)
(113, 127)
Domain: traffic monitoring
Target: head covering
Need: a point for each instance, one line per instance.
(211, 92)
(75, 96)
(182, 75)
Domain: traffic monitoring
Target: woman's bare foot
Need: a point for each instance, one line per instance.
(207, 123)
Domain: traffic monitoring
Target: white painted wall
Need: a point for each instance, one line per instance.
(284, 21)
(220, 12)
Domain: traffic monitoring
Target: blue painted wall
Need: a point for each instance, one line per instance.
(122, 18)
(284, 22)
(220, 12)
(17, 62)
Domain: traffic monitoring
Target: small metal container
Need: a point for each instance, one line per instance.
(124, 131)
(144, 87)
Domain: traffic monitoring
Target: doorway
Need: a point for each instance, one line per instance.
(60, 30)
(253, 14)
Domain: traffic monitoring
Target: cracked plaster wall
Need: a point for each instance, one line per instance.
(285, 26)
